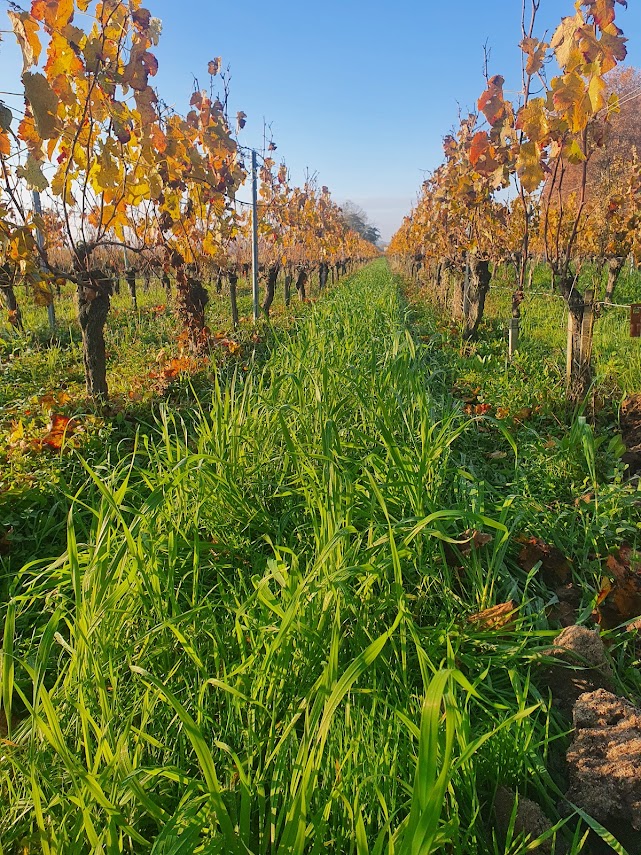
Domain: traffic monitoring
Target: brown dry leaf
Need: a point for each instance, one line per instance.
(556, 569)
(470, 540)
(466, 542)
(586, 499)
(173, 367)
(522, 414)
(619, 600)
(473, 540)
(501, 616)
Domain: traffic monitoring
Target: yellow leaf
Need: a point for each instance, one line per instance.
(573, 152)
(531, 119)
(42, 295)
(596, 92)
(564, 42)
(528, 166)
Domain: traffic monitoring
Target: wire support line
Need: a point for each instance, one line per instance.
(607, 305)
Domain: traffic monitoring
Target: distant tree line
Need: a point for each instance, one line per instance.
(357, 220)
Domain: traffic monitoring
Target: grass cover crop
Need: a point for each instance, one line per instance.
(261, 640)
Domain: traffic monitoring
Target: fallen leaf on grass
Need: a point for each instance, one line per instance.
(171, 369)
(501, 616)
(469, 541)
(586, 499)
(54, 399)
(232, 346)
(61, 428)
(619, 599)
(522, 414)
(16, 435)
(477, 409)
(556, 569)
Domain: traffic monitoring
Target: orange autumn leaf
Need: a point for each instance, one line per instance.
(61, 428)
(477, 409)
(491, 102)
(478, 146)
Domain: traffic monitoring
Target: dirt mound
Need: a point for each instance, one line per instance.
(529, 819)
(582, 649)
(631, 433)
(604, 764)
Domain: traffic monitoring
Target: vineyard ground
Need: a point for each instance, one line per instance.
(40, 376)
(258, 595)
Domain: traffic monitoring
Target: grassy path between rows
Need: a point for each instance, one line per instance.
(261, 643)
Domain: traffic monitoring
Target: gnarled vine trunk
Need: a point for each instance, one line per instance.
(288, 287)
(477, 288)
(233, 296)
(130, 277)
(166, 281)
(615, 266)
(94, 299)
(270, 287)
(301, 281)
(11, 304)
(579, 341)
(456, 285)
(191, 301)
(323, 272)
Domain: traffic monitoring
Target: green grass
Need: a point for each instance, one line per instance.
(617, 357)
(253, 641)
(35, 483)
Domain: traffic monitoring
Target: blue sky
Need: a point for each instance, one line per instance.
(360, 93)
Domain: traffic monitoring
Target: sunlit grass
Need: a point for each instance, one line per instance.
(253, 642)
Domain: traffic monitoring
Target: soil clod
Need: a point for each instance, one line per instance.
(529, 820)
(604, 764)
(583, 649)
